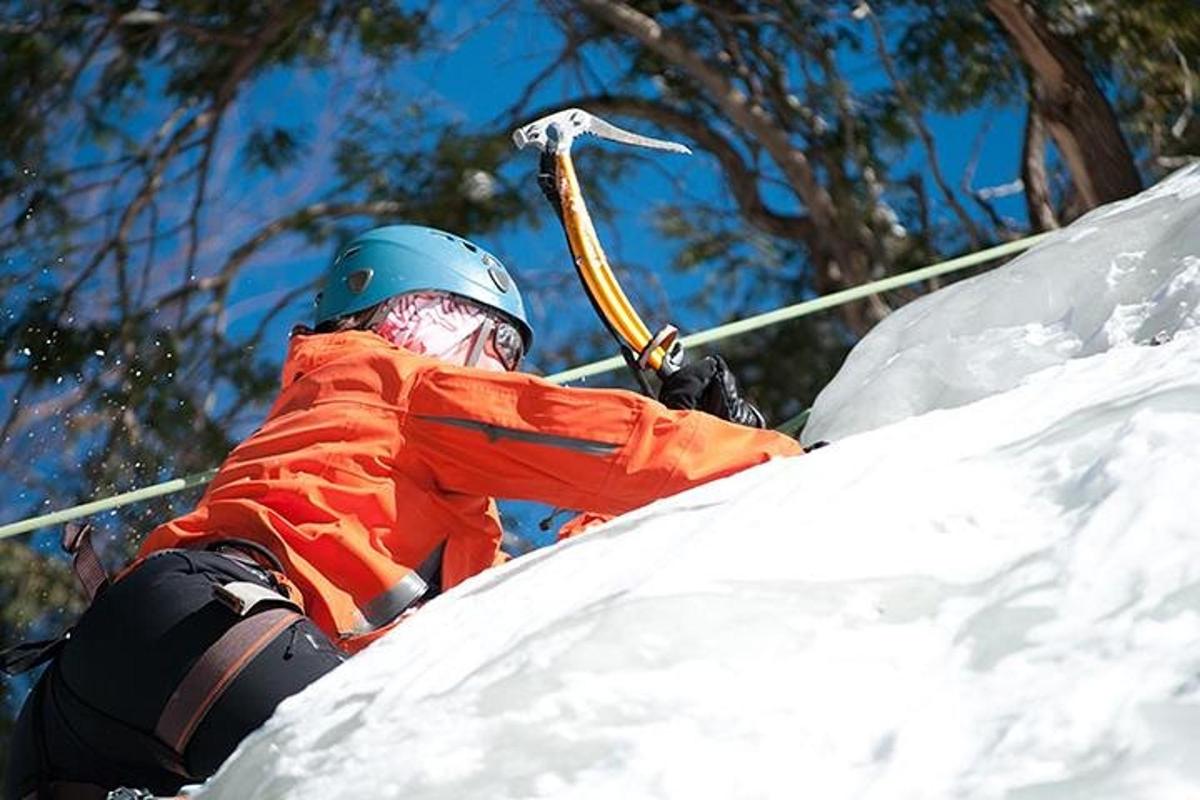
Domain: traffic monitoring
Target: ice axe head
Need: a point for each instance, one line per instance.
(553, 135)
(555, 132)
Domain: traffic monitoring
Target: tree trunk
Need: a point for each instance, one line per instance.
(1033, 174)
(1079, 117)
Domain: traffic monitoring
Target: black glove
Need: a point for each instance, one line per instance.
(708, 385)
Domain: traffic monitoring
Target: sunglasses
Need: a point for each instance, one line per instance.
(499, 338)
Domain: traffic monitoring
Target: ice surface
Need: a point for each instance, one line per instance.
(1122, 275)
(995, 599)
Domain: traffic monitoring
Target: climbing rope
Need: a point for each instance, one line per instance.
(817, 304)
(716, 334)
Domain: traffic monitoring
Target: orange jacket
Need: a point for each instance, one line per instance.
(372, 456)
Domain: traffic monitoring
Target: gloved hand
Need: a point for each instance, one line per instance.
(708, 385)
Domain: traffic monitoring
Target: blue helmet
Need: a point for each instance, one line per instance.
(396, 259)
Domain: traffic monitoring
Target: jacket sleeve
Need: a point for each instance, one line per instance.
(605, 450)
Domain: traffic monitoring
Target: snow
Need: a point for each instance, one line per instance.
(1124, 274)
(989, 587)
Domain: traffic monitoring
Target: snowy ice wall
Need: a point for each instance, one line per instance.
(1124, 274)
(998, 601)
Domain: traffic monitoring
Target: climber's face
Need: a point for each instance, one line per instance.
(450, 328)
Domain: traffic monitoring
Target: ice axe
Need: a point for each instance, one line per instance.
(553, 135)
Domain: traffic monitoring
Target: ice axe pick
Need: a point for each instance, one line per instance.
(553, 136)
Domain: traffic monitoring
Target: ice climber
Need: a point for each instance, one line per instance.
(367, 490)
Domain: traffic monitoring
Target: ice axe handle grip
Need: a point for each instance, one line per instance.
(547, 180)
(668, 339)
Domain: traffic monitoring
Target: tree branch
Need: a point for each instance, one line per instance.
(864, 11)
(842, 250)
(118, 242)
(1033, 173)
(752, 118)
(193, 220)
(968, 180)
(1189, 100)
(1077, 113)
(742, 178)
(242, 253)
(145, 17)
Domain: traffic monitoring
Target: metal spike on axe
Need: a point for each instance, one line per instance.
(553, 135)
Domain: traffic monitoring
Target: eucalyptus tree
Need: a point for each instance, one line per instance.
(818, 120)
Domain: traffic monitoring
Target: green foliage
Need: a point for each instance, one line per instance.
(1152, 51)
(272, 149)
(1146, 54)
(117, 369)
(32, 584)
(447, 177)
(49, 347)
(38, 597)
(960, 39)
(384, 29)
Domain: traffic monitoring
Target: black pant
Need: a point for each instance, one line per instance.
(91, 718)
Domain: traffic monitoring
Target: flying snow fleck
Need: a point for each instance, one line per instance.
(478, 186)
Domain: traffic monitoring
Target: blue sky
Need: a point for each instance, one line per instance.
(489, 63)
(484, 66)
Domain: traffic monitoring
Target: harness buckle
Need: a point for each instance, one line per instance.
(244, 597)
(125, 793)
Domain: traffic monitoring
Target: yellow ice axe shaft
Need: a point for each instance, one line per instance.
(553, 135)
(593, 267)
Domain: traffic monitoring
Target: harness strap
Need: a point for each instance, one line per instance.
(214, 670)
(191, 701)
(27, 655)
(77, 540)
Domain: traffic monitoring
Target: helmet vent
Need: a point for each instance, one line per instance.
(357, 281)
(499, 277)
(472, 248)
(342, 256)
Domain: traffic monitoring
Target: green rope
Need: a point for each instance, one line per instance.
(106, 504)
(818, 304)
(595, 368)
(792, 426)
